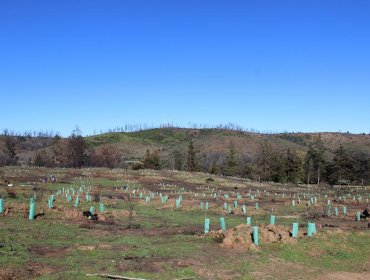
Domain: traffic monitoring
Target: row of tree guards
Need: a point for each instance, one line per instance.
(310, 199)
(311, 227)
(147, 199)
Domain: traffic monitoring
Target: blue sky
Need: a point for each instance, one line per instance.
(267, 65)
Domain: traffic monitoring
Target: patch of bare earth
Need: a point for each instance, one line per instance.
(345, 276)
(46, 251)
(280, 269)
(14, 273)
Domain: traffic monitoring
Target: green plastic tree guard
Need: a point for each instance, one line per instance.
(358, 216)
(255, 235)
(77, 201)
(257, 206)
(345, 210)
(295, 230)
(311, 229)
(101, 207)
(272, 220)
(1, 205)
(249, 221)
(244, 209)
(206, 226)
(50, 202)
(32, 211)
(92, 210)
(222, 223)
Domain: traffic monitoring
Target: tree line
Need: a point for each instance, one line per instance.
(315, 166)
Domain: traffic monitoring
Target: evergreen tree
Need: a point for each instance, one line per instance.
(178, 159)
(319, 159)
(309, 163)
(264, 161)
(231, 165)
(341, 167)
(293, 167)
(192, 164)
(214, 168)
(74, 150)
(10, 150)
(152, 160)
(278, 168)
(361, 167)
(40, 159)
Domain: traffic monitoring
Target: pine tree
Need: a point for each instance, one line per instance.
(10, 150)
(361, 167)
(152, 160)
(192, 164)
(309, 163)
(231, 166)
(214, 169)
(293, 167)
(264, 161)
(278, 167)
(40, 159)
(341, 167)
(74, 150)
(319, 160)
(178, 160)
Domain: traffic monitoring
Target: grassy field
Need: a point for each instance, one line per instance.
(165, 242)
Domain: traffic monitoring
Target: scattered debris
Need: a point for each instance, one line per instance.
(110, 276)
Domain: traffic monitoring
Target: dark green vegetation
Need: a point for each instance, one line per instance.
(165, 242)
(315, 158)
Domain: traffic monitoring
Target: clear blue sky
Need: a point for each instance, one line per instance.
(269, 65)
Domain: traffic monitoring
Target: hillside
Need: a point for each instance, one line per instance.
(166, 141)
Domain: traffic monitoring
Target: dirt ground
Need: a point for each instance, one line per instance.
(159, 241)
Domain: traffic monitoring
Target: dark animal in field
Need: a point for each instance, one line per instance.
(94, 217)
(328, 226)
(90, 216)
(365, 215)
(86, 214)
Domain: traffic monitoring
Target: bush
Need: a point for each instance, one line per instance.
(11, 193)
(210, 180)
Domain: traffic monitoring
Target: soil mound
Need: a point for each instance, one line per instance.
(241, 237)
